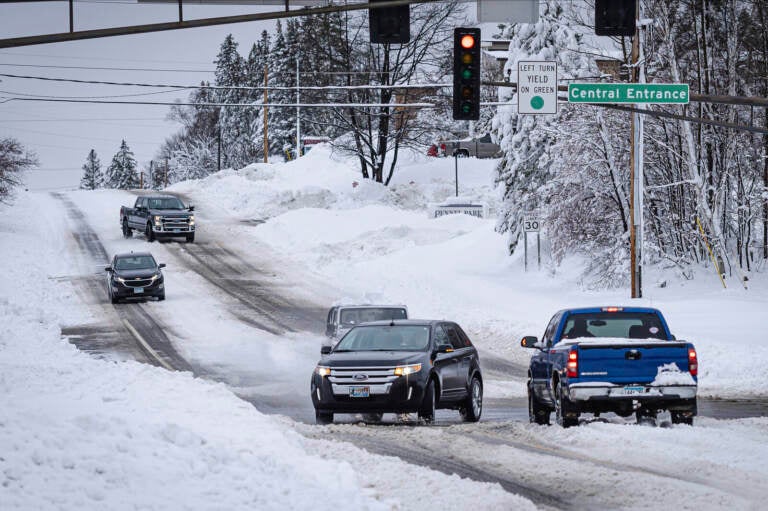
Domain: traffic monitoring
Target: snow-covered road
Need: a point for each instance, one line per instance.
(241, 310)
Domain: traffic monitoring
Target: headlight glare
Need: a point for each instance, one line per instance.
(323, 371)
(406, 370)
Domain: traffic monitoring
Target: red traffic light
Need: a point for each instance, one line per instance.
(468, 41)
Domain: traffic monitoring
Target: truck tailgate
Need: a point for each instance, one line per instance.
(634, 362)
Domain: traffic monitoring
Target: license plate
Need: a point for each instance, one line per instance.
(633, 390)
(177, 230)
(359, 391)
(138, 290)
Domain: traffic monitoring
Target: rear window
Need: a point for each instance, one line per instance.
(624, 325)
(351, 317)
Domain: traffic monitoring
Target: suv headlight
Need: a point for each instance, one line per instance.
(157, 220)
(406, 370)
(119, 279)
(191, 219)
(323, 371)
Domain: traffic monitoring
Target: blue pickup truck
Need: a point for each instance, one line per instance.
(610, 359)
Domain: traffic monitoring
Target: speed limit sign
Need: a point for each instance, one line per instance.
(531, 224)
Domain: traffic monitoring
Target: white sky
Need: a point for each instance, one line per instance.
(62, 133)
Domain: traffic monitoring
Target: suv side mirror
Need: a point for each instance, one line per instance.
(191, 207)
(324, 350)
(444, 348)
(529, 341)
(161, 265)
(107, 268)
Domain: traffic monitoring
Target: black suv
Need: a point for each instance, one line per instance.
(400, 366)
(135, 275)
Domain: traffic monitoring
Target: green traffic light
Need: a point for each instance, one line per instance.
(466, 73)
(466, 107)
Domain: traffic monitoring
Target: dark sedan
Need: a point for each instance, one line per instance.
(400, 366)
(135, 275)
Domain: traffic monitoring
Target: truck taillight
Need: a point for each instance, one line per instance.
(693, 362)
(572, 367)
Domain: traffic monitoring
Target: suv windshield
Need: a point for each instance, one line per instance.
(351, 317)
(165, 203)
(386, 338)
(624, 325)
(139, 262)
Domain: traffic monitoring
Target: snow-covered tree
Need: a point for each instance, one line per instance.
(234, 124)
(527, 140)
(122, 172)
(93, 176)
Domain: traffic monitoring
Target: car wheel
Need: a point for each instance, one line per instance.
(427, 411)
(323, 417)
(161, 297)
(537, 413)
(190, 238)
(372, 417)
(473, 407)
(681, 418)
(127, 231)
(149, 233)
(113, 298)
(563, 409)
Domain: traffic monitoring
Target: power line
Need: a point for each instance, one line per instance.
(237, 105)
(234, 87)
(92, 68)
(89, 97)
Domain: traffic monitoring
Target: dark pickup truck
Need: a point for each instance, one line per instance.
(610, 359)
(159, 216)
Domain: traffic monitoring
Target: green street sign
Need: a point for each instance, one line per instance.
(628, 93)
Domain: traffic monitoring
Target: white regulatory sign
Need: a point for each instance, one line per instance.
(531, 224)
(507, 11)
(536, 87)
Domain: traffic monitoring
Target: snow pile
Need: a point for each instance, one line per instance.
(670, 374)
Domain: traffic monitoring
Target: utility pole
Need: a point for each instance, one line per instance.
(166, 172)
(636, 169)
(298, 112)
(218, 150)
(151, 173)
(141, 180)
(266, 133)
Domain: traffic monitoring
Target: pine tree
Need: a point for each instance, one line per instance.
(233, 121)
(93, 177)
(282, 121)
(121, 173)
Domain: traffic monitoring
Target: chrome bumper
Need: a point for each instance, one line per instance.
(578, 392)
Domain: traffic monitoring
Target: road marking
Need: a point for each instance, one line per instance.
(144, 343)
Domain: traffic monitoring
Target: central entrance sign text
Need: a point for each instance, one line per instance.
(628, 93)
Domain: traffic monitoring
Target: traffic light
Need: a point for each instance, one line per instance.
(390, 25)
(466, 74)
(615, 17)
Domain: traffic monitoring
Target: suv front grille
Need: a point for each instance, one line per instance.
(377, 379)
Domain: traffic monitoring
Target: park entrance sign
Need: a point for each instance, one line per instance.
(628, 93)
